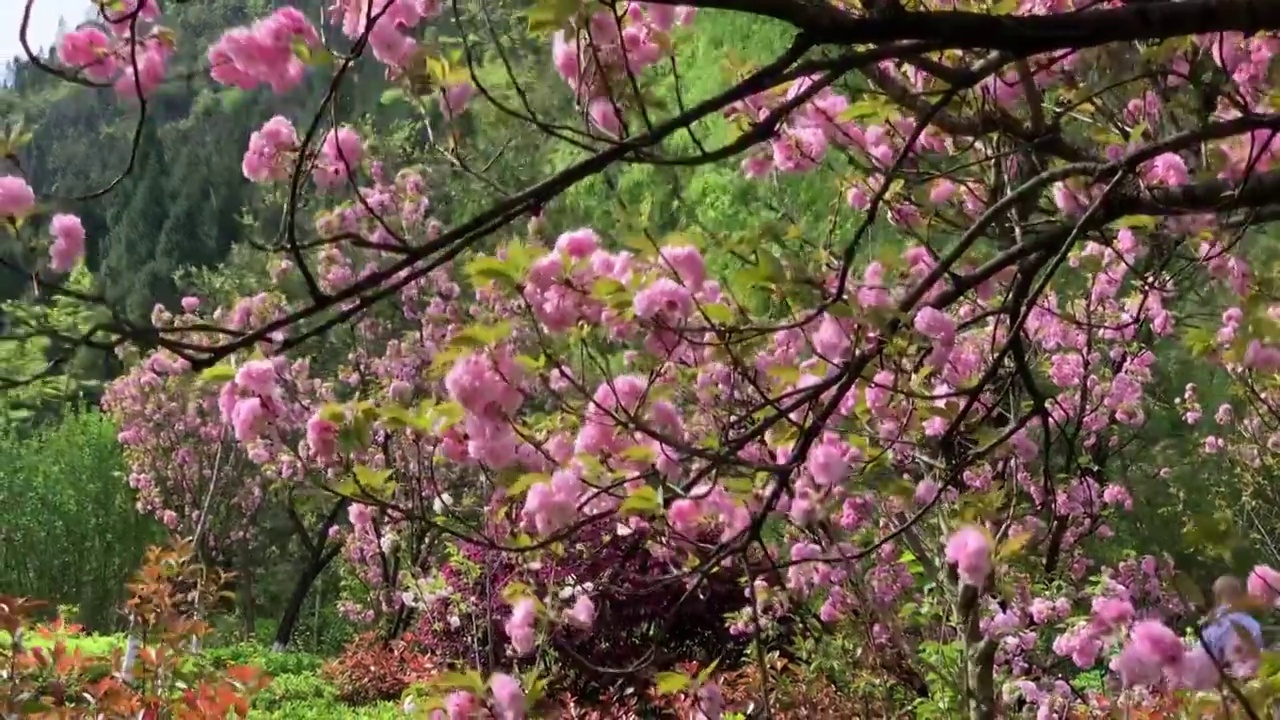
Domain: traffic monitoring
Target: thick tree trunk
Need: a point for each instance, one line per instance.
(319, 554)
(289, 621)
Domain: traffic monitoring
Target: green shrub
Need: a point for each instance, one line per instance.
(276, 664)
(71, 534)
(286, 690)
(328, 710)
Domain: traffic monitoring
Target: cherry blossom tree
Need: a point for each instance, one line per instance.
(918, 447)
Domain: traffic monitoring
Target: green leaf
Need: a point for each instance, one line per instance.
(334, 413)
(469, 680)
(1136, 221)
(607, 289)
(375, 483)
(513, 591)
(482, 336)
(397, 417)
(548, 16)
(533, 365)
(491, 269)
(785, 374)
(218, 373)
(670, 683)
(706, 672)
(1013, 545)
(439, 418)
(644, 501)
(639, 453)
(392, 96)
(718, 313)
(526, 481)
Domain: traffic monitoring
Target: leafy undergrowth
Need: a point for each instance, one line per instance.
(371, 671)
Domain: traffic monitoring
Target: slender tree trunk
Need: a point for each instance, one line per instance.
(248, 603)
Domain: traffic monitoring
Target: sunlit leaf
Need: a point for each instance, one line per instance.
(548, 16)
(392, 96)
(669, 683)
(643, 501)
(218, 374)
(526, 481)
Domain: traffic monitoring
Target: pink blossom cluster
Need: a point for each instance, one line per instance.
(386, 24)
(266, 52)
(597, 59)
(969, 549)
(136, 62)
(271, 151)
(68, 242)
(340, 153)
(816, 125)
(17, 200)
(506, 701)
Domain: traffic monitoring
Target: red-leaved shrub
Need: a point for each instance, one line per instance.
(371, 670)
(640, 609)
(68, 684)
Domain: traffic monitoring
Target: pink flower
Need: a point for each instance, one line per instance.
(1198, 671)
(831, 341)
(564, 55)
(926, 491)
(665, 299)
(270, 153)
(68, 242)
(519, 627)
(583, 613)
(1264, 584)
(827, 464)
(578, 244)
(248, 419)
(456, 98)
(684, 516)
(1154, 638)
(553, 506)
(322, 437)
(340, 153)
(687, 263)
(710, 702)
(604, 115)
(942, 191)
(1136, 668)
(461, 705)
(343, 146)
(936, 326)
(263, 54)
(360, 515)
(969, 549)
(16, 197)
(258, 377)
(1168, 169)
(88, 50)
(508, 698)
(190, 303)
(1110, 613)
(1152, 649)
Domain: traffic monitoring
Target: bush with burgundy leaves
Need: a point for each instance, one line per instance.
(371, 670)
(639, 610)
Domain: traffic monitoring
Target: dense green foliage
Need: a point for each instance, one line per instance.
(69, 533)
